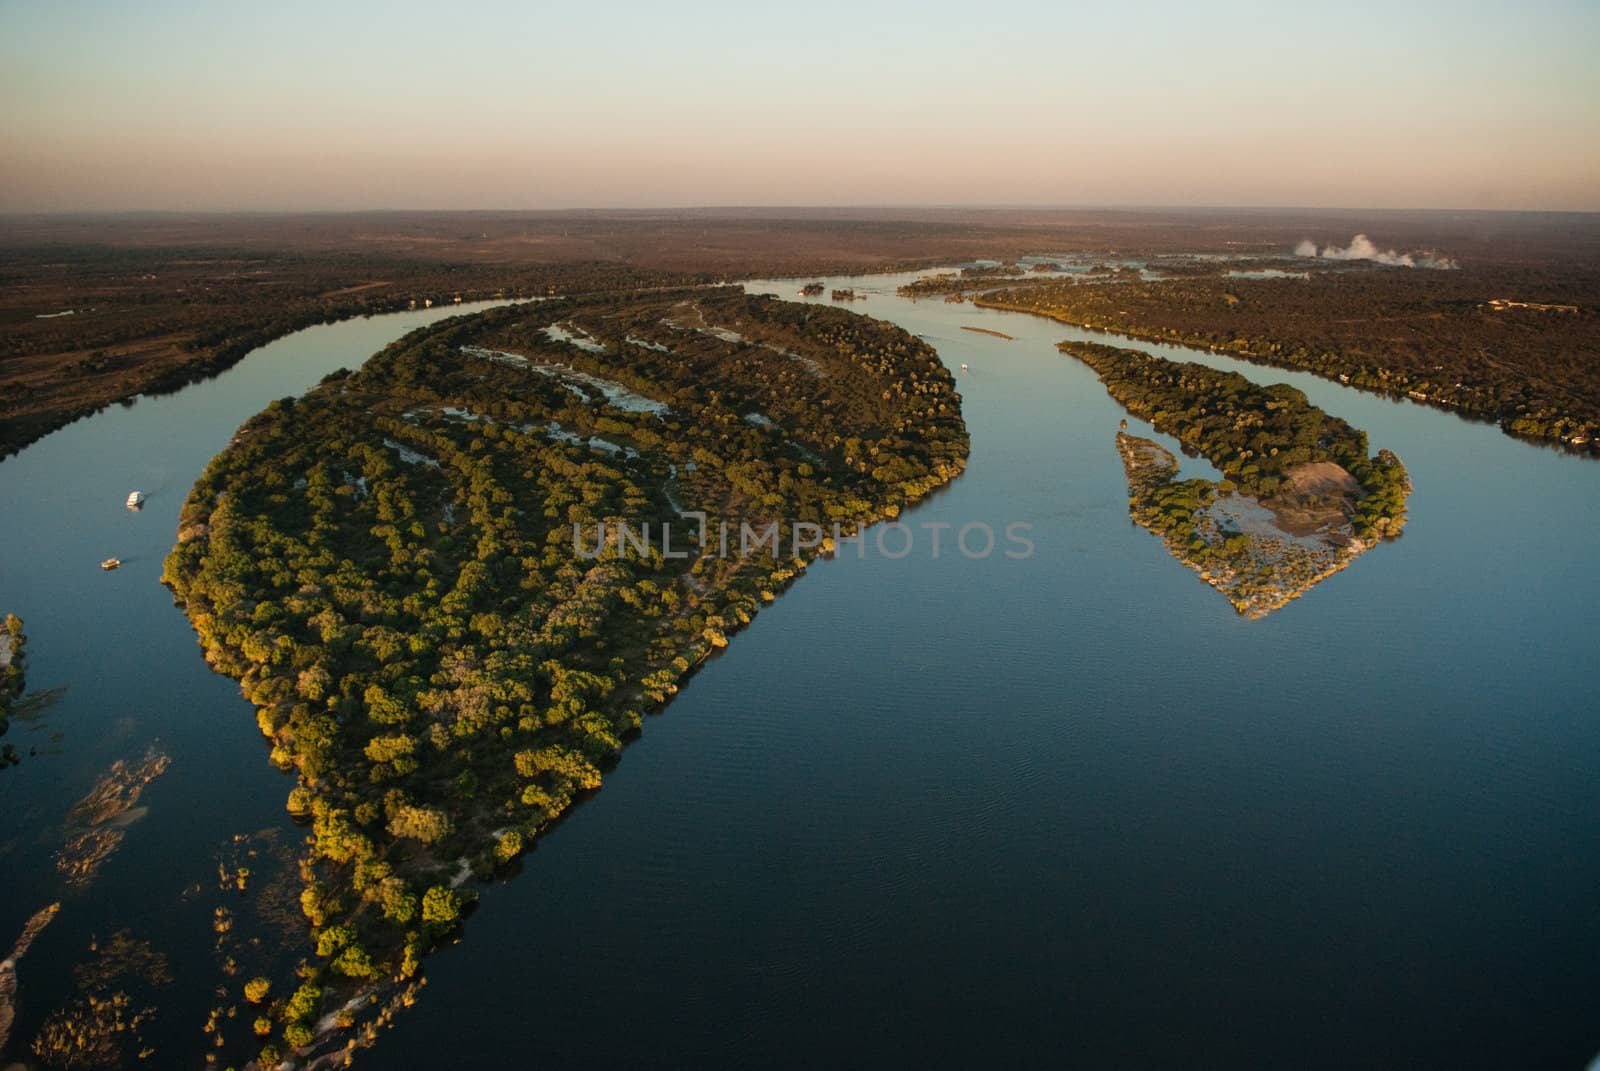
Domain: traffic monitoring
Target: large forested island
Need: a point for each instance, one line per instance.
(1300, 498)
(401, 569)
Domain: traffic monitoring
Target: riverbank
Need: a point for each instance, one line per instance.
(43, 392)
(757, 812)
(1539, 386)
(90, 634)
(450, 699)
(1258, 567)
(1299, 498)
(13, 680)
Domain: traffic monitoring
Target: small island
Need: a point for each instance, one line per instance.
(954, 285)
(422, 574)
(1300, 499)
(1526, 364)
(13, 679)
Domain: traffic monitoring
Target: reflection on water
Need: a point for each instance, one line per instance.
(130, 692)
(1064, 809)
(1072, 809)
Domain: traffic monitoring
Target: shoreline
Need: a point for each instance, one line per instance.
(616, 643)
(1147, 464)
(1589, 449)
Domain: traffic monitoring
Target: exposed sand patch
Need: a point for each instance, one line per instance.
(1322, 497)
(1323, 477)
(1241, 546)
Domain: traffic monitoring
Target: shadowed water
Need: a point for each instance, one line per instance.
(1066, 810)
(134, 678)
(1072, 810)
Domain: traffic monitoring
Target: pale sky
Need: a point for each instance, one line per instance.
(333, 105)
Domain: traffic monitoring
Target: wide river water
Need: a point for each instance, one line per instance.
(1066, 810)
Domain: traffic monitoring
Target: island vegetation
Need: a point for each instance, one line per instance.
(1300, 499)
(406, 571)
(1436, 337)
(99, 309)
(13, 679)
(954, 285)
(35, 925)
(115, 338)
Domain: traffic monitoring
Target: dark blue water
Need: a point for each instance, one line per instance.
(1066, 810)
(1073, 811)
(134, 679)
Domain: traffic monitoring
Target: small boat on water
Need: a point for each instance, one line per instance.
(963, 368)
(135, 499)
(110, 564)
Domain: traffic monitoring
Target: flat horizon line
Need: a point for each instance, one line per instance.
(594, 210)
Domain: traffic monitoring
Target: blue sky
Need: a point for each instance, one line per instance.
(529, 105)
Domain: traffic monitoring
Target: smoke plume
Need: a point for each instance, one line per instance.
(1362, 248)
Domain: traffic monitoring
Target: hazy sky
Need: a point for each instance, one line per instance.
(288, 105)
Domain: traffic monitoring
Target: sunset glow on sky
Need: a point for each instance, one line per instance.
(528, 105)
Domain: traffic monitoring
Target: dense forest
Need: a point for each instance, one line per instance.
(91, 326)
(1433, 336)
(397, 567)
(1258, 437)
(95, 310)
(1300, 498)
(975, 277)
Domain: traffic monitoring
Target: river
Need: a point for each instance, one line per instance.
(134, 677)
(1067, 809)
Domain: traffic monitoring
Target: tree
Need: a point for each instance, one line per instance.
(508, 846)
(427, 825)
(441, 907)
